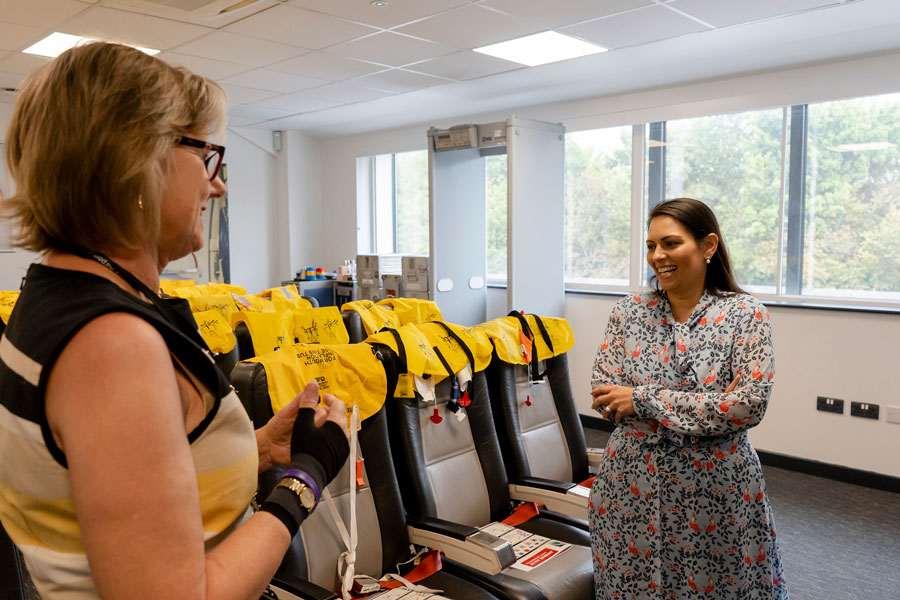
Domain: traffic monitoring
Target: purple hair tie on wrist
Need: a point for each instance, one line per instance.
(304, 478)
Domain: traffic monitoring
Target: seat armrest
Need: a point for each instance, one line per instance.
(288, 587)
(594, 456)
(462, 543)
(563, 497)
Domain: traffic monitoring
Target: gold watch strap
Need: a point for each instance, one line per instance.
(298, 487)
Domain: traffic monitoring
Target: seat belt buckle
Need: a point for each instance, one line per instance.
(363, 585)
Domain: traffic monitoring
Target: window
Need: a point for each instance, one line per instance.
(852, 200)
(496, 206)
(598, 206)
(392, 194)
(808, 198)
(733, 164)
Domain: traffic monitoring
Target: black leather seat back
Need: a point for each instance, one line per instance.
(452, 470)
(244, 341)
(13, 576)
(354, 326)
(537, 422)
(381, 522)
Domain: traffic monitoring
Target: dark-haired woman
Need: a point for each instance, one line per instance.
(679, 507)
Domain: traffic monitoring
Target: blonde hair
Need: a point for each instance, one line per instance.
(88, 143)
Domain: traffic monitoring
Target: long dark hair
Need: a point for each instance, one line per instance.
(700, 221)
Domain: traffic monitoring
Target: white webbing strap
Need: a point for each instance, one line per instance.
(346, 565)
(409, 584)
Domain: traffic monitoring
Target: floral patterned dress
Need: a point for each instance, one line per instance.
(679, 507)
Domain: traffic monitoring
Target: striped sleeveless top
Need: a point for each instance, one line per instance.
(36, 506)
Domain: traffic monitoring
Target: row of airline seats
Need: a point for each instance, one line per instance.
(440, 480)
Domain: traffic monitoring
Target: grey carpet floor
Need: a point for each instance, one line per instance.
(838, 541)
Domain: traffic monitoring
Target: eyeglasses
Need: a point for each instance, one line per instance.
(212, 154)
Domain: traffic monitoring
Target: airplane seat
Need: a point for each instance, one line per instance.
(382, 536)
(451, 469)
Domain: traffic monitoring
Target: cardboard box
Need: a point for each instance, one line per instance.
(415, 274)
(391, 286)
(369, 292)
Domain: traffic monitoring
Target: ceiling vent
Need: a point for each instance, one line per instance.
(209, 13)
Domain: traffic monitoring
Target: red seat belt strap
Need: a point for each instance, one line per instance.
(523, 512)
(429, 565)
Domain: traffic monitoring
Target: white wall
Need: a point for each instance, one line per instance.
(842, 354)
(848, 355)
(252, 208)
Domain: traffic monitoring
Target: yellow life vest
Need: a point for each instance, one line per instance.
(268, 330)
(7, 302)
(223, 303)
(413, 310)
(559, 332)
(168, 286)
(215, 330)
(322, 325)
(252, 303)
(507, 336)
(475, 340)
(284, 291)
(280, 303)
(374, 318)
(351, 372)
(187, 292)
(225, 288)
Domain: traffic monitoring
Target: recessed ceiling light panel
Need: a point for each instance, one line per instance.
(541, 48)
(56, 43)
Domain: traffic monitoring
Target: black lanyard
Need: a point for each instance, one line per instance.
(174, 318)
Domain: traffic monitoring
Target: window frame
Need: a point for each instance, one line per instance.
(648, 187)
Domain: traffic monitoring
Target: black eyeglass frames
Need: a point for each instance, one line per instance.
(212, 154)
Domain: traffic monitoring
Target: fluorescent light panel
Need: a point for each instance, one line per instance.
(541, 48)
(862, 146)
(56, 43)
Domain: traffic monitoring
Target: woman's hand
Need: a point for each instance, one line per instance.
(613, 399)
(274, 439)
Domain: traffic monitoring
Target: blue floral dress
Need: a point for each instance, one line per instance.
(679, 507)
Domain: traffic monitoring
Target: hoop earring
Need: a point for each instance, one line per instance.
(141, 205)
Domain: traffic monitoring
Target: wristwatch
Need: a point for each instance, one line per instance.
(303, 491)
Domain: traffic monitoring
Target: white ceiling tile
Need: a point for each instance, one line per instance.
(208, 13)
(254, 112)
(721, 14)
(42, 14)
(464, 65)
(326, 66)
(16, 37)
(23, 64)
(297, 103)
(567, 12)
(10, 81)
(390, 49)
(470, 27)
(123, 26)
(343, 93)
(398, 81)
(635, 27)
(397, 12)
(238, 94)
(214, 69)
(242, 49)
(299, 27)
(275, 81)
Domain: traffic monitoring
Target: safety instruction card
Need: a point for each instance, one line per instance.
(531, 550)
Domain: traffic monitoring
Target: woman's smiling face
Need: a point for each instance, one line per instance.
(678, 260)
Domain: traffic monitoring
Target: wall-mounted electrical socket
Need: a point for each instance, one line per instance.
(892, 414)
(835, 405)
(864, 409)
